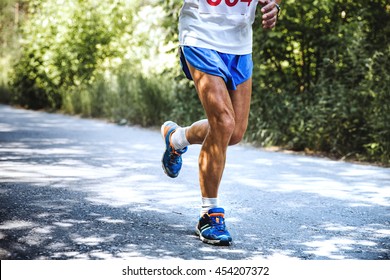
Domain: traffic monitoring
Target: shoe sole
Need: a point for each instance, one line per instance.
(212, 242)
(163, 127)
(166, 172)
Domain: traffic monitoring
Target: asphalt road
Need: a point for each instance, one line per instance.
(73, 188)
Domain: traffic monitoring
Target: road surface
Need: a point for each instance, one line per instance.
(74, 188)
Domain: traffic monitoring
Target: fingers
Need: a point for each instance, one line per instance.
(270, 13)
(270, 23)
(268, 6)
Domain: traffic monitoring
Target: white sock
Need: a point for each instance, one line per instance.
(178, 139)
(207, 204)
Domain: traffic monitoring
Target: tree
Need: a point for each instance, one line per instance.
(319, 78)
(12, 13)
(320, 82)
(311, 83)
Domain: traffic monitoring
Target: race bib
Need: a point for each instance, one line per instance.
(229, 7)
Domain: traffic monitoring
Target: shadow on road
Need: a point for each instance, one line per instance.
(80, 189)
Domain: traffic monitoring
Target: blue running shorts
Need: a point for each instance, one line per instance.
(233, 69)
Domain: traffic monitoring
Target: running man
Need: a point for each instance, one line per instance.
(216, 46)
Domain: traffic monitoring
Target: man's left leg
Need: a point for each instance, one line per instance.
(209, 182)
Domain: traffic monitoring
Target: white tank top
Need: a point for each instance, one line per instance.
(221, 25)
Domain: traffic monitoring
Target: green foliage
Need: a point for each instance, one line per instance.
(11, 14)
(64, 48)
(123, 95)
(320, 80)
(378, 86)
(315, 86)
(187, 107)
(170, 22)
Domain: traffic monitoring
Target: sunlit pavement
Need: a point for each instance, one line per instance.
(73, 188)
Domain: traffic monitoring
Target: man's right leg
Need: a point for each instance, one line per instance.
(214, 134)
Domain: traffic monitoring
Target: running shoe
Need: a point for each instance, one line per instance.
(171, 160)
(211, 228)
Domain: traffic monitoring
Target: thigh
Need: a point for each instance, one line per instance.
(213, 94)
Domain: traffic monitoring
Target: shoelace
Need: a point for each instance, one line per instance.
(220, 226)
(174, 156)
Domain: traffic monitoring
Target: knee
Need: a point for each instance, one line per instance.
(236, 138)
(224, 123)
(238, 135)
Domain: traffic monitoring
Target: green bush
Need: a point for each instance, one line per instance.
(96, 60)
(144, 100)
(62, 49)
(123, 95)
(320, 81)
(378, 86)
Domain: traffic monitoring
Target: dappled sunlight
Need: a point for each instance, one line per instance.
(66, 162)
(43, 173)
(10, 225)
(66, 191)
(6, 128)
(281, 255)
(355, 184)
(46, 152)
(294, 221)
(140, 189)
(333, 248)
(82, 189)
(92, 240)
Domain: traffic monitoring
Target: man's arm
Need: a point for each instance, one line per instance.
(270, 12)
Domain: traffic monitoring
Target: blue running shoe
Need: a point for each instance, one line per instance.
(211, 228)
(171, 160)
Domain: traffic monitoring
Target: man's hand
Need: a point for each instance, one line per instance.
(270, 13)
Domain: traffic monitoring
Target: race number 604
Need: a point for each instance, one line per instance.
(230, 3)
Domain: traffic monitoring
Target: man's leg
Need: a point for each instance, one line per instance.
(227, 119)
(216, 135)
(241, 99)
